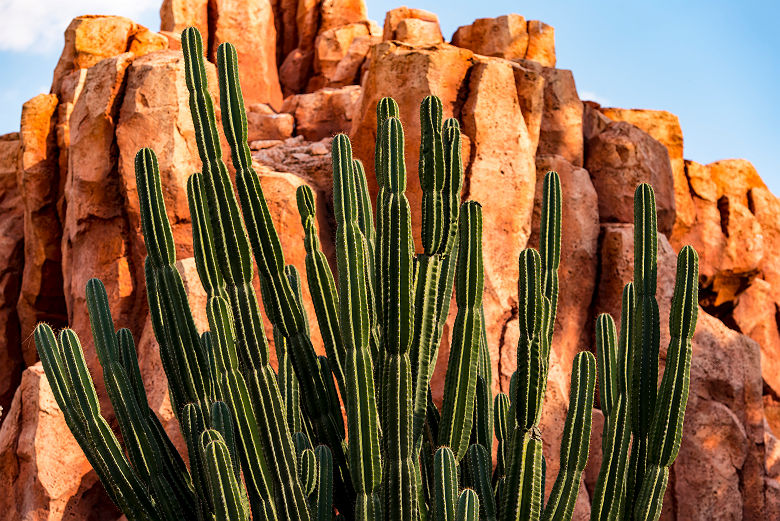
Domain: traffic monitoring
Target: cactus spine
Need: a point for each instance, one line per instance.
(268, 445)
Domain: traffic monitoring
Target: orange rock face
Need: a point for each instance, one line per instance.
(509, 36)
(43, 471)
(41, 297)
(323, 113)
(177, 15)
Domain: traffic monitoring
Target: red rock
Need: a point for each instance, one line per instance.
(620, 158)
(331, 48)
(665, 128)
(727, 235)
(294, 71)
(756, 316)
(11, 265)
(766, 208)
(530, 93)
(177, 15)
(418, 32)
(503, 37)
(579, 255)
(95, 231)
(306, 159)
(561, 127)
(335, 13)
(91, 38)
(541, 43)
(348, 70)
(249, 25)
(41, 297)
(285, 14)
(502, 160)
(43, 472)
(395, 16)
(263, 123)
(323, 113)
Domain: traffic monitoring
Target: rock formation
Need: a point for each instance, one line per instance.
(313, 68)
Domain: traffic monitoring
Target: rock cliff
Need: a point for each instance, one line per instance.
(312, 68)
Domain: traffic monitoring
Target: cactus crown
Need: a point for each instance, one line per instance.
(272, 444)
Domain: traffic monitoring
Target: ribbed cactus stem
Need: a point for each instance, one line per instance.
(550, 242)
(445, 485)
(461, 379)
(575, 440)
(362, 415)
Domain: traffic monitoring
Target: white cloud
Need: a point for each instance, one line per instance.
(592, 96)
(37, 25)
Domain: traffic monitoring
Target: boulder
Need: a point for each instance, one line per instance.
(619, 159)
(561, 126)
(335, 13)
(766, 208)
(43, 472)
(249, 26)
(323, 113)
(664, 127)
(399, 15)
(579, 255)
(307, 159)
(503, 37)
(338, 54)
(11, 266)
(92, 38)
(727, 235)
(295, 71)
(177, 15)
(264, 123)
(41, 297)
(418, 32)
(541, 43)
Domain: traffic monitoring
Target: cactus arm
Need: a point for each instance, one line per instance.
(666, 430)
(550, 242)
(461, 378)
(468, 506)
(223, 485)
(324, 500)
(575, 441)
(362, 415)
(479, 466)
(504, 423)
(645, 334)
(608, 499)
(445, 485)
(531, 373)
(628, 303)
(431, 171)
(607, 356)
(522, 493)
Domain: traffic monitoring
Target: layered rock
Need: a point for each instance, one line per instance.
(323, 113)
(11, 266)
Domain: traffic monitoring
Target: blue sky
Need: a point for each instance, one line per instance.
(714, 63)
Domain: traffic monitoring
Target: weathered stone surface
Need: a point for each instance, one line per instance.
(503, 37)
(620, 158)
(418, 32)
(95, 232)
(530, 83)
(541, 43)
(295, 71)
(264, 123)
(727, 235)
(338, 54)
(11, 266)
(310, 160)
(561, 127)
(177, 15)
(41, 297)
(664, 127)
(396, 16)
(43, 472)
(91, 38)
(249, 25)
(502, 159)
(335, 13)
(323, 113)
(155, 113)
(766, 208)
(579, 255)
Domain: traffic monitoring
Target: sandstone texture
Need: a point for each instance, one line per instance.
(311, 69)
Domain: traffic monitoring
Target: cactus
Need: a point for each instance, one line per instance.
(268, 445)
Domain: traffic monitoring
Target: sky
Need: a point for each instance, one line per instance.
(713, 63)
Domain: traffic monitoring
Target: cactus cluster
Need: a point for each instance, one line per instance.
(273, 445)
